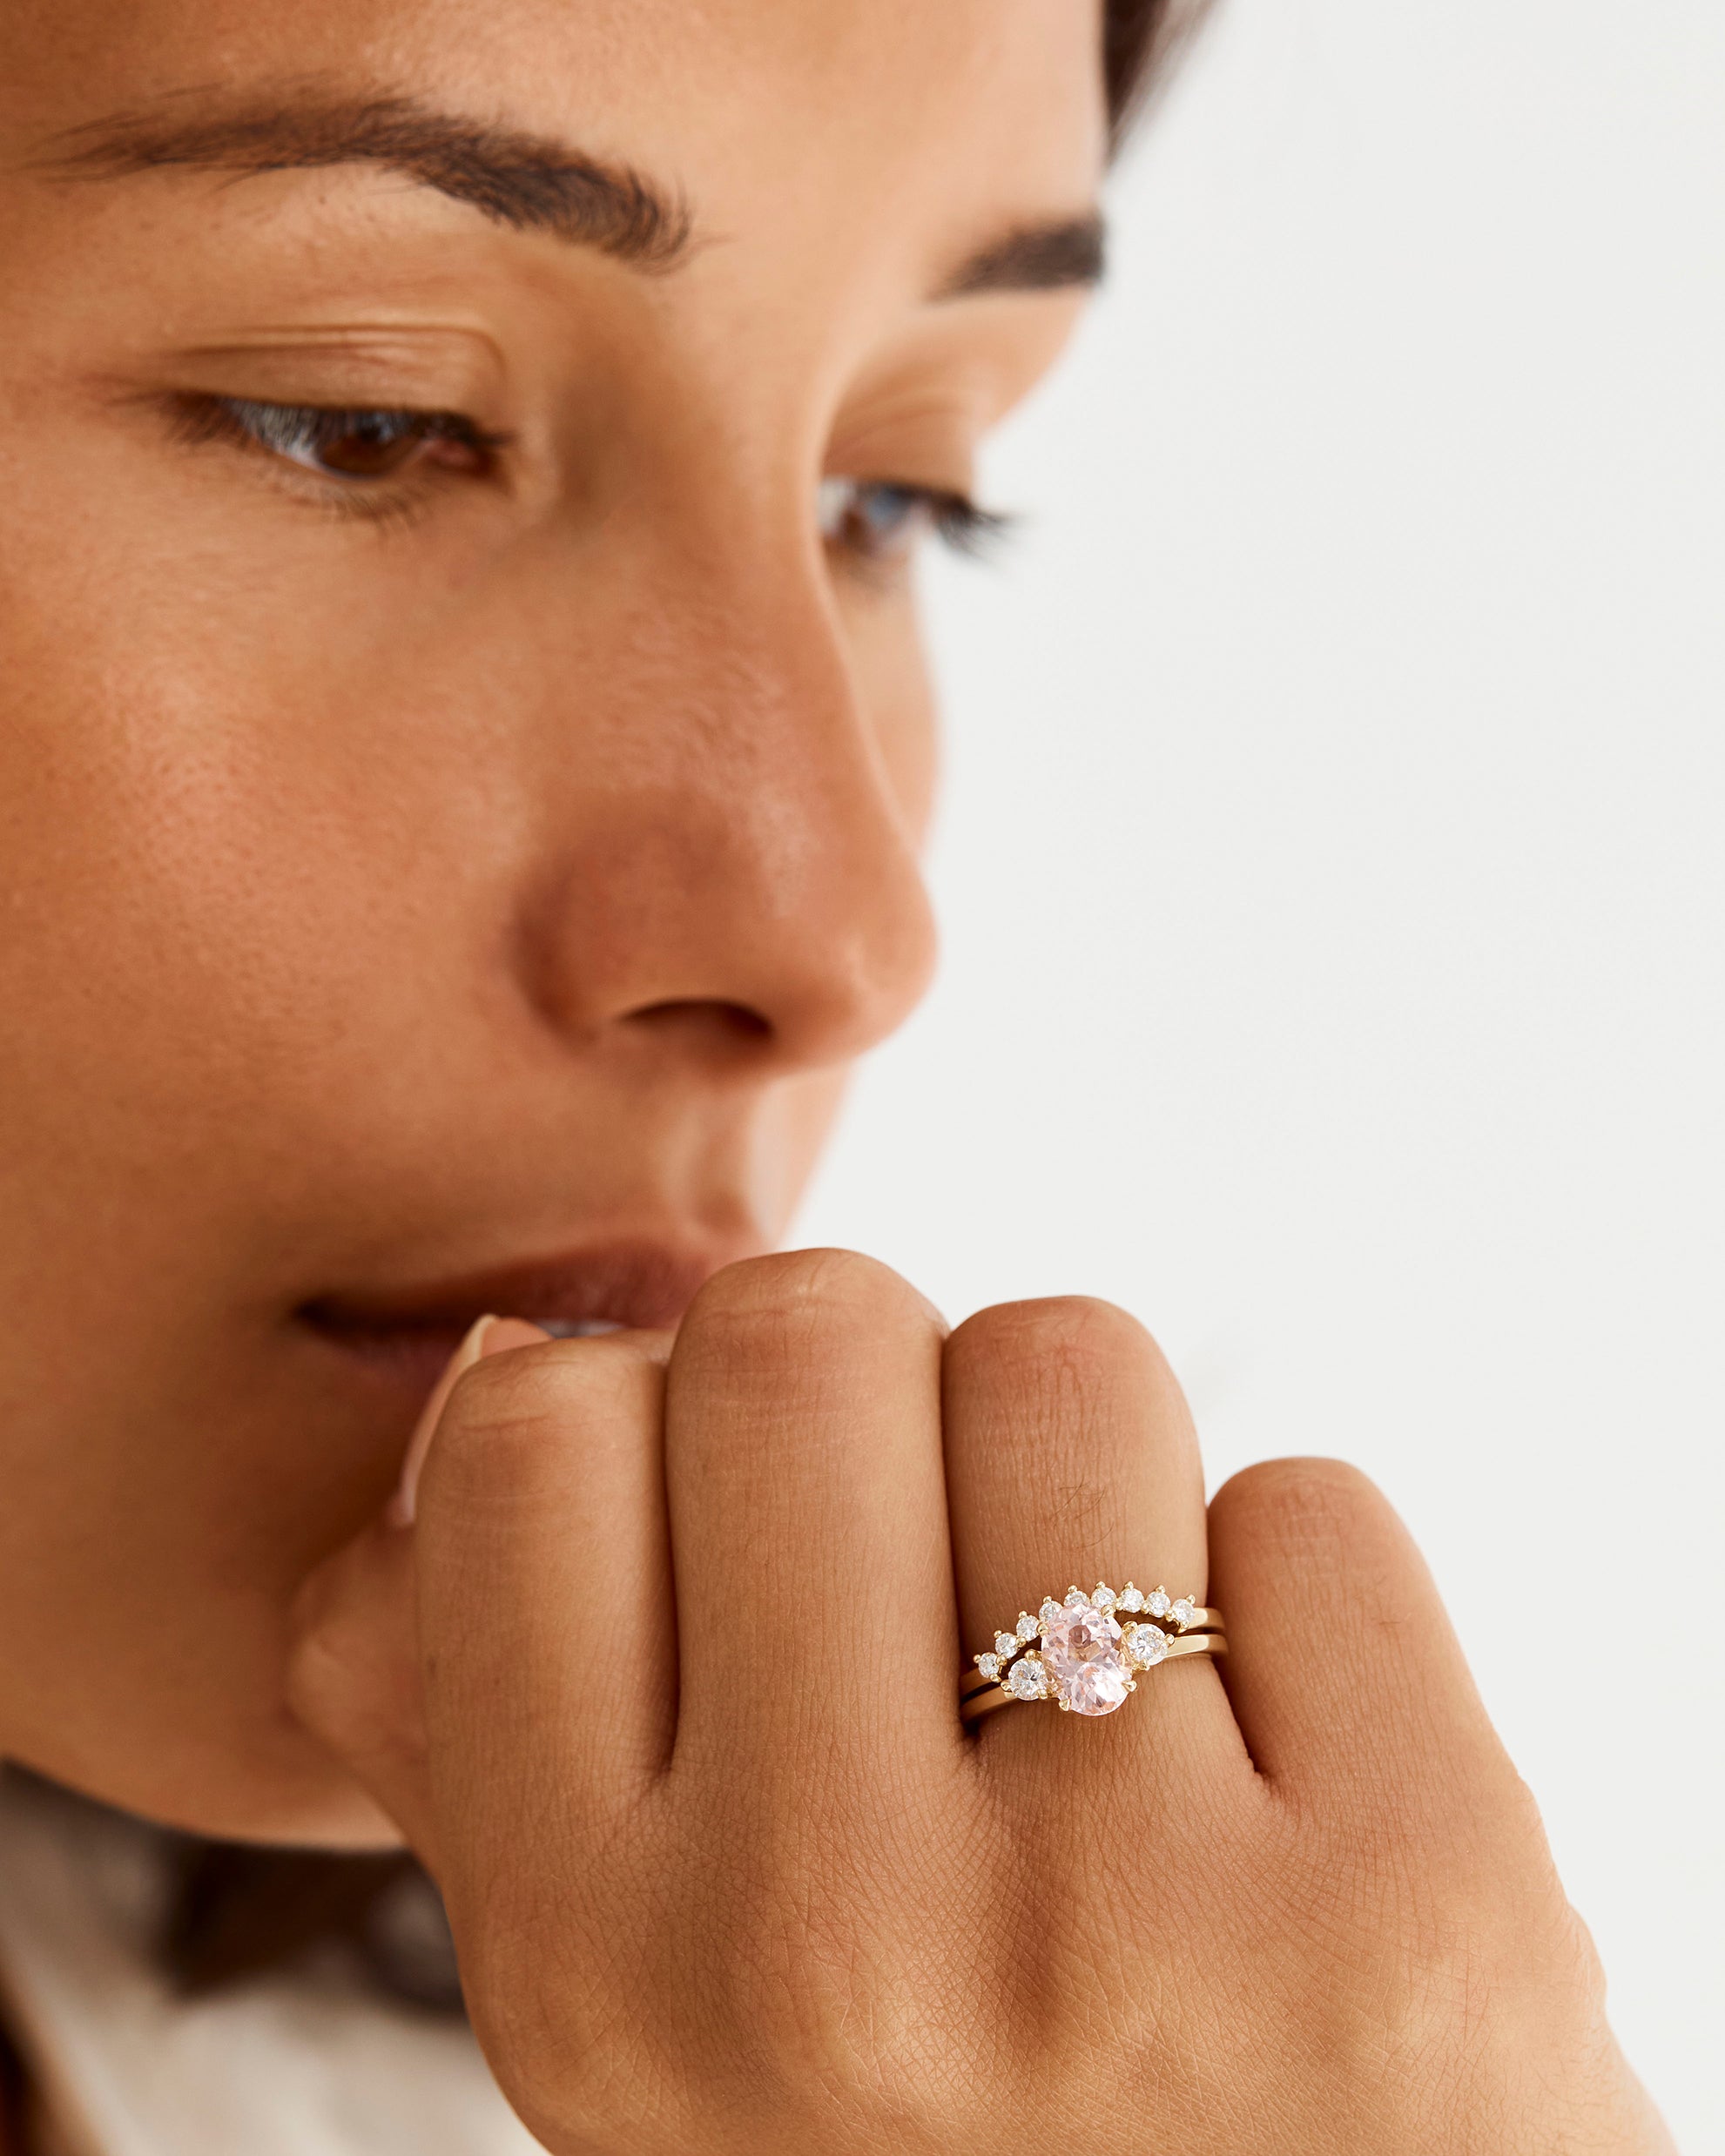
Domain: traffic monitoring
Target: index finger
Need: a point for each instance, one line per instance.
(547, 1637)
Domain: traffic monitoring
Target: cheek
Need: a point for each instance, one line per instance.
(189, 857)
(184, 960)
(243, 799)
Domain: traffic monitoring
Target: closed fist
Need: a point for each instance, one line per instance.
(661, 1681)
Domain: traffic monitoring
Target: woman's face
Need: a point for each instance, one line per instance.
(464, 741)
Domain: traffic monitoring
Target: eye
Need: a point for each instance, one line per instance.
(882, 520)
(353, 445)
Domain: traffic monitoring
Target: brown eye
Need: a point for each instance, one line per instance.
(356, 445)
(371, 445)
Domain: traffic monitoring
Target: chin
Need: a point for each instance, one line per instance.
(287, 1793)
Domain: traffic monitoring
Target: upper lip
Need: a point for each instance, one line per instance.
(644, 1284)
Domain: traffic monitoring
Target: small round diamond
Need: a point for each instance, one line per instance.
(1146, 1645)
(1027, 1625)
(1049, 1611)
(1075, 1598)
(1184, 1612)
(1005, 1643)
(989, 1665)
(1132, 1598)
(1158, 1604)
(1028, 1679)
(1104, 1597)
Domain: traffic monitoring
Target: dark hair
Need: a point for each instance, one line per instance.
(1140, 40)
(236, 1912)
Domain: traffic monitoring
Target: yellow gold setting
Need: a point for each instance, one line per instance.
(1087, 1653)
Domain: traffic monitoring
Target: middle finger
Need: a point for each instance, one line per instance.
(808, 1518)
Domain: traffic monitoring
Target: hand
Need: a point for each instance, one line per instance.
(675, 1726)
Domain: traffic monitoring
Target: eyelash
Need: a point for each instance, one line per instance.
(953, 518)
(968, 527)
(297, 433)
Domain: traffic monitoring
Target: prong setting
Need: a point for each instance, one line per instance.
(1086, 1651)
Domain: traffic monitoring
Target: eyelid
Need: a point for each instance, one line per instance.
(202, 417)
(243, 412)
(357, 367)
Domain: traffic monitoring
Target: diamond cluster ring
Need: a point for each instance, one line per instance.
(1087, 1653)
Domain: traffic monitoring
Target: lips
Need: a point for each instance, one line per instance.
(412, 1333)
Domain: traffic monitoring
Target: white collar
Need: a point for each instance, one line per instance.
(285, 2066)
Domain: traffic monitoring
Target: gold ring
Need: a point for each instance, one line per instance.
(1087, 1652)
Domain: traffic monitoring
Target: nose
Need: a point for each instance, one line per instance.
(731, 857)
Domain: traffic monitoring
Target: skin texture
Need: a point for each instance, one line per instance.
(742, 1883)
(413, 890)
(393, 902)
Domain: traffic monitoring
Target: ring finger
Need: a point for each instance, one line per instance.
(1070, 1460)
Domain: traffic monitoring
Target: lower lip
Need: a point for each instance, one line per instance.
(406, 1355)
(397, 1366)
(402, 1362)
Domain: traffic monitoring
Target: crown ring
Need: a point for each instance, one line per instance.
(1087, 1652)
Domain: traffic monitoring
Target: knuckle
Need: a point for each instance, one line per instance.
(1064, 1353)
(556, 2057)
(836, 2014)
(1317, 1505)
(797, 1294)
(505, 1392)
(1466, 1985)
(531, 1385)
(1435, 1944)
(510, 1410)
(1080, 1326)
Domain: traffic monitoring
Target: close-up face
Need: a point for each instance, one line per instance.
(464, 739)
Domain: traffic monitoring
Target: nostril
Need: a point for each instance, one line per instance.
(703, 1023)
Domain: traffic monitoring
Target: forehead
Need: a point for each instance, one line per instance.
(930, 117)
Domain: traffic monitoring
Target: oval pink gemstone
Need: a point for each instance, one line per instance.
(1081, 1652)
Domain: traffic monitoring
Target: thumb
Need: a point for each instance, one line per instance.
(353, 1675)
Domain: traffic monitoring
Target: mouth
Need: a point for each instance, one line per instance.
(407, 1336)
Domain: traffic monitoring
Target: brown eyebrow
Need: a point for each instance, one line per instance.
(1034, 258)
(528, 182)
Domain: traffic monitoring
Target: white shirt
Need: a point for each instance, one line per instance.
(287, 2065)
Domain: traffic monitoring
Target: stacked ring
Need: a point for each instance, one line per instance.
(1087, 1653)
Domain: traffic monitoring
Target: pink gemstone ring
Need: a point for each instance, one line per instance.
(1087, 1653)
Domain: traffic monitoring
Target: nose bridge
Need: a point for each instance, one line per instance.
(741, 843)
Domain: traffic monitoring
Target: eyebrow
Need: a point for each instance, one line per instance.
(1045, 257)
(527, 182)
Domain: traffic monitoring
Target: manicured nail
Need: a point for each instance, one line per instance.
(487, 1336)
(400, 1509)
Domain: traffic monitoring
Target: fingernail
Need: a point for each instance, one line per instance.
(487, 1336)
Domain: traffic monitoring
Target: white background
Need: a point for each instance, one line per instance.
(1331, 865)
